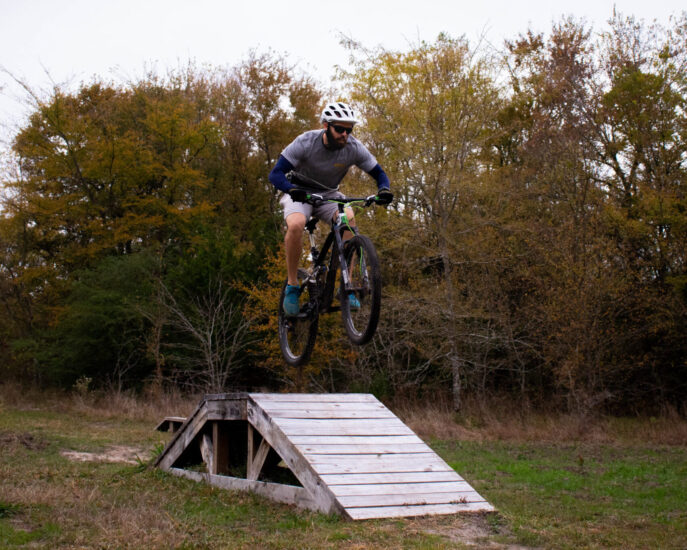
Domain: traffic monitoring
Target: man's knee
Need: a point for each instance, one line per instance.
(351, 215)
(295, 222)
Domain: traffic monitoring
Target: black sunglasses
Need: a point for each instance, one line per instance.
(341, 129)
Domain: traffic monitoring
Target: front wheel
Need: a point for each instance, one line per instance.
(297, 333)
(360, 319)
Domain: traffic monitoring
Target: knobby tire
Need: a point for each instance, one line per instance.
(366, 284)
(297, 334)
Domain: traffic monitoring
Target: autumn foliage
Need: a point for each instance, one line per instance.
(535, 248)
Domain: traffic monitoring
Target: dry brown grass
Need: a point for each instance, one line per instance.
(501, 421)
(479, 421)
(79, 501)
(150, 406)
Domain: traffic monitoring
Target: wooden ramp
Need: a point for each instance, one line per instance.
(347, 453)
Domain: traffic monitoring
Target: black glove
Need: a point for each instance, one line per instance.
(298, 194)
(384, 197)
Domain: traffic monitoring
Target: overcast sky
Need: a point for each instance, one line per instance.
(70, 41)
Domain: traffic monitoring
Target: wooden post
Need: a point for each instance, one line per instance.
(255, 458)
(207, 452)
(220, 444)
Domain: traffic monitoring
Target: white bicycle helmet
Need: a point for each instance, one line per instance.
(338, 112)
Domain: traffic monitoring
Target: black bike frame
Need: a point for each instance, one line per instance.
(338, 226)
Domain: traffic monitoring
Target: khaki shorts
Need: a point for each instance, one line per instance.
(325, 211)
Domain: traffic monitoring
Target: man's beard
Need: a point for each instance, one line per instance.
(332, 142)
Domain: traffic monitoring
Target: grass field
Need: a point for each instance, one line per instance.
(74, 473)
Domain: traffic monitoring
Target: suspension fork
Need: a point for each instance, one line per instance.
(340, 225)
(317, 256)
(314, 252)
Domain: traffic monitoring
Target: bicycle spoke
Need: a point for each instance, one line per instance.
(361, 302)
(297, 333)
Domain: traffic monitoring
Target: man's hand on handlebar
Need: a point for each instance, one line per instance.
(384, 197)
(298, 194)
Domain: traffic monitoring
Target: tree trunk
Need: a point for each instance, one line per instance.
(456, 367)
(454, 359)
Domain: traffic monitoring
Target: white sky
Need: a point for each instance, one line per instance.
(74, 40)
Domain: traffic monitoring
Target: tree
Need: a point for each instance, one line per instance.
(426, 113)
(161, 166)
(640, 145)
(594, 142)
(211, 335)
(98, 331)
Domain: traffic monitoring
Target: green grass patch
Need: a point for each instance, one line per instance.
(567, 496)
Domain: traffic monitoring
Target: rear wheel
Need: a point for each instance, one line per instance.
(297, 333)
(366, 285)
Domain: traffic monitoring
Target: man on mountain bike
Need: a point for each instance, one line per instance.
(325, 156)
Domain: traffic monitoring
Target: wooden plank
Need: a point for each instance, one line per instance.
(313, 397)
(408, 511)
(355, 439)
(418, 459)
(319, 430)
(234, 409)
(183, 438)
(372, 424)
(272, 406)
(287, 494)
(294, 459)
(250, 450)
(359, 449)
(235, 396)
(401, 488)
(372, 464)
(342, 427)
(411, 499)
(256, 464)
(170, 423)
(370, 467)
(335, 479)
(338, 414)
(174, 448)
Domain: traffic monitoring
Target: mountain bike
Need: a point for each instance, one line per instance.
(353, 263)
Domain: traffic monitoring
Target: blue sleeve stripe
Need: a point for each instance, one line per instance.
(277, 176)
(382, 179)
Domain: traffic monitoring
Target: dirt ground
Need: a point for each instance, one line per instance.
(116, 453)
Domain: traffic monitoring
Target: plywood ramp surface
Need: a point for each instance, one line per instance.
(370, 462)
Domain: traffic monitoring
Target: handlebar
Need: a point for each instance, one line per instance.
(314, 197)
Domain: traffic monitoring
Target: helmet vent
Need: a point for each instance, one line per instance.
(338, 112)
